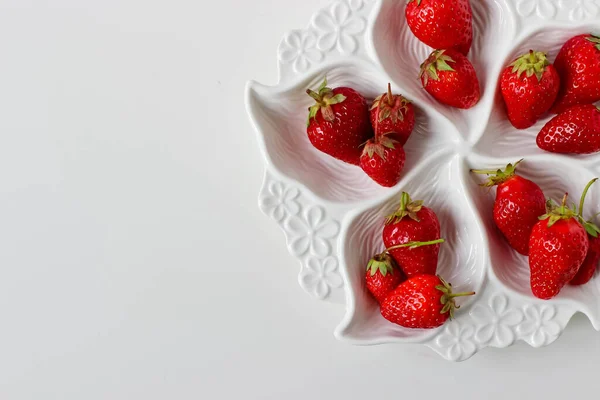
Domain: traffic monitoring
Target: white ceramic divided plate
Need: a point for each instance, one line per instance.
(332, 213)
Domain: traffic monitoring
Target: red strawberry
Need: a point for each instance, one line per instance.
(578, 64)
(590, 264)
(577, 130)
(528, 97)
(588, 268)
(338, 123)
(557, 248)
(413, 222)
(383, 276)
(442, 24)
(383, 160)
(450, 78)
(393, 115)
(424, 301)
(518, 206)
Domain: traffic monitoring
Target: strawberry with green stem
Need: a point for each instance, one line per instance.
(421, 302)
(413, 222)
(383, 160)
(450, 78)
(338, 123)
(392, 115)
(557, 248)
(518, 205)
(529, 87)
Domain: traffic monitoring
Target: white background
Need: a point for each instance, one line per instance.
(135, 261)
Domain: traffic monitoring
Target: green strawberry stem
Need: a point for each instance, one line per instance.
(499, 175)
(324, 99)
(448, 297)
(414, 245)
(407, 207)
(556, 213)
(461, 294)
(583, 195)
(591, 228)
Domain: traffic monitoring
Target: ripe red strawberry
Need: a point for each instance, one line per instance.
(577, 130)
(529, 87)
(557, 248)
(519, 204)
(338, 123)
(590, 264)
(393, 115)
(442, 24)
(450, 78)
(423, 301)
(413, 222)
(383, 276)
(383, 160)
(578, 64)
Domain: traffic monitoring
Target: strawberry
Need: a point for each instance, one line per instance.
(578, 64)
(528, 96)
(450, 78)
(518, 205)
(383, 160)
(588, 268)
(383, 276)
(393, 115)
(576, 130)
(557, 248)
(338, 123)
(442, 24)
(412, 222)
(590, 264)
(423, 301)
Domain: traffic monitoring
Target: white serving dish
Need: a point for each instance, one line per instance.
(332, 214)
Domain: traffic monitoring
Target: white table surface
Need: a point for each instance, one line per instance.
(135, 261)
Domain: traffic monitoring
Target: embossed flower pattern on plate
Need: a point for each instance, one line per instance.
(320, 276)
(543, 8)
(495, 321)
(299, 48)
(580, 9)
(280, 201)
(310, 233)
(338, 28)
(457, 341)
(539, 325)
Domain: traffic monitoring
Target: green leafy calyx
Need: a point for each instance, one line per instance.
(324, 99)
(384, 263)
(407, 207)
(447, 298)
(498, 176)
(532, 63)
(555, 213)
(437, 61)
(378, 146)
(594, 39)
